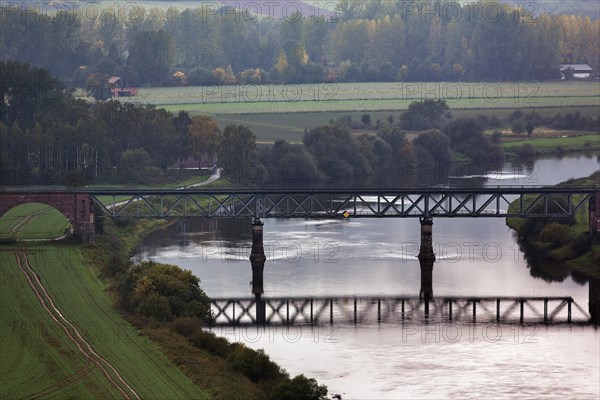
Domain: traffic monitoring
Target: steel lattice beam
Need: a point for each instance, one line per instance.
(395, 309)
(357, 203)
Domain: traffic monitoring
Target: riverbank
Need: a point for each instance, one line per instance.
(560, 246)
(551, 146)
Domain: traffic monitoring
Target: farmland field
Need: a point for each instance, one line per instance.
(33, 221)
(236, 99)
(290, 126)
(285, 111)
(40, 359)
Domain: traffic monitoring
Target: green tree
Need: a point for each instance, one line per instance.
(366, 119)
(28, 93)
(236, 150)
(204, 136)
(97, 86)
(529, 127)
(182, 122)
(517, 127)
(423, 115)
(152, 54)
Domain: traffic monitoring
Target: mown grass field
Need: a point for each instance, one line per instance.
(291, 126)
(551, 145)
(38, 358)
(33, 221)
(236, 99)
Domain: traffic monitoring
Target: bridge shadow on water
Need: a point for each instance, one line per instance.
(425, 308)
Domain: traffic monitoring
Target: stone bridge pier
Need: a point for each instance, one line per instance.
(75, 206)
(426, 258)
(257, 259)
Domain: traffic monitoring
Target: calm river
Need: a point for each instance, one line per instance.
(475, 257)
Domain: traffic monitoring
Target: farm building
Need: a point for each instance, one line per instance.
(120, 87)
(580, 71)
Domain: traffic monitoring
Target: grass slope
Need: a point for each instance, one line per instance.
(33, 221)
(36, 352)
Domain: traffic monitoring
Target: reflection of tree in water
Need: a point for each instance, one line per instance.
(543, 267)
(200, 231)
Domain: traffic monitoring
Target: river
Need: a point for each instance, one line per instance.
(475, 257)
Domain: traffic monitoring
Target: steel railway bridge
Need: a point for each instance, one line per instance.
(423, 203)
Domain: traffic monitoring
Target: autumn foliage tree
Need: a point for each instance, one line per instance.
(164, 292)
(203, 137)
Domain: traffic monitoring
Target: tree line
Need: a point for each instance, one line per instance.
(48, 136)
(370, 40)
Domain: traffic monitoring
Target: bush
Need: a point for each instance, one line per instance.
(212, 343)
(186, 326)
(164, 292)
(366, 119)
(517, 127)
(200, 76)
(555, 233)
(526, 151)
(580, 245)
(299, 388)
(256, 365)
(496, 137)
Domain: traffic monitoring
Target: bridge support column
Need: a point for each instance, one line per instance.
(594, 301)
(594, 213)
(426, 258)
(257, 259)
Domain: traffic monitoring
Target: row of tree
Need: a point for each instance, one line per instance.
(371, 41)
(46, 137)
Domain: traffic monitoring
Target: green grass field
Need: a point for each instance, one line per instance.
(37, 354)
(291, 126)
(33, 221)
(269, 98)
(550, 145)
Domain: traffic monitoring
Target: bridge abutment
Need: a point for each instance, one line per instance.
(75, 206)
(426, 258)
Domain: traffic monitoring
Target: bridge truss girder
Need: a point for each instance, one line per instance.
(353, 310)
(340, 204)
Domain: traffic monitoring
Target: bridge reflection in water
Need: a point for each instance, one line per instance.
(394, 309)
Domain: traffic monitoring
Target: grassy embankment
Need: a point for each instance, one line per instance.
(154, 359)
(561, 240)
(40, 358)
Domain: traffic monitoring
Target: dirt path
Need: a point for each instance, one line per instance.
(74, 336)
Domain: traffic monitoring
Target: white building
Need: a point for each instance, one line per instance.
(580, 71)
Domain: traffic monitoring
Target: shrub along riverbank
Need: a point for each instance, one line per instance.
(557, 247)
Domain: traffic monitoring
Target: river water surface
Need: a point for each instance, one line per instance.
(475, 257)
